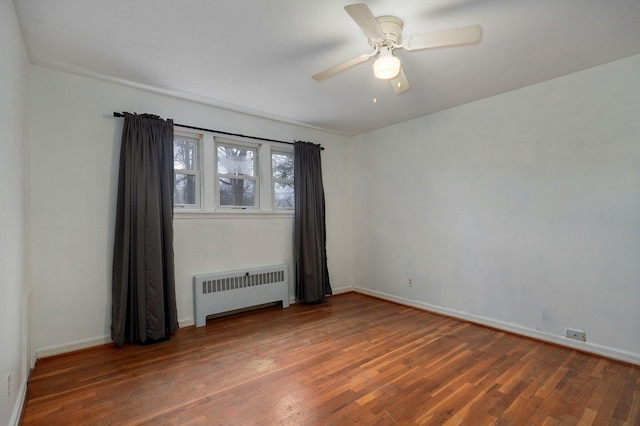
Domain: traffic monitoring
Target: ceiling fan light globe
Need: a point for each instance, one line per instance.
(386, 67)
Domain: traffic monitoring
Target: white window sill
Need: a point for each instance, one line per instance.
(232, 214)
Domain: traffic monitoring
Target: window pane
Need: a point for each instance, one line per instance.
(282, 165)
(184, 154)
(184, 189)
(236, 160)
(237, 192)
(283, 195)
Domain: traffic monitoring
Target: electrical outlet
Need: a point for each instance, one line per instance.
(576, 334)
(410, 282)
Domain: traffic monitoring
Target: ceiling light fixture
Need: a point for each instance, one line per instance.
(386, 66)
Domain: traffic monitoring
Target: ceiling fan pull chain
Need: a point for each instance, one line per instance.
(373, 87)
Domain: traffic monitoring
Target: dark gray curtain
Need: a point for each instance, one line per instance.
(143, 286)
(312, 274)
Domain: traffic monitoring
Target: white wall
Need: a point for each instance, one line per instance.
(520, 211)
(14, 288)
(74, 160)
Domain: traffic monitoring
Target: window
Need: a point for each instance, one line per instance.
(186, 189)
(234, 175)
(282, 179)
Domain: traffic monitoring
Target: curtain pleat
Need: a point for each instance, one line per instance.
(312, 274)
(143, 282)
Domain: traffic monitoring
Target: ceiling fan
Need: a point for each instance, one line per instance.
(385, 36)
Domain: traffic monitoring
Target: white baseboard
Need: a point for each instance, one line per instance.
(292, 299)
(341, 290)
(182, 323)
(590, 347)
(88, 343)
(17, 407)
(76, 345)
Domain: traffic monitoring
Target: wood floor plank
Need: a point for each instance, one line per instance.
(352, 360)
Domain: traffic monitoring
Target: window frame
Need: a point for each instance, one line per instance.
(208, 184)
(275, 180)
(190, 137)
(225, 142)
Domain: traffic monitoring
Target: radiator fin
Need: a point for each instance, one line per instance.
(241, 281)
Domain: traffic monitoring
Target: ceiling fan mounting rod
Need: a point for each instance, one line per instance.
(391, 27)
(389, 44)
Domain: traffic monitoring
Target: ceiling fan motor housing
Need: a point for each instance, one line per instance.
(392, 29)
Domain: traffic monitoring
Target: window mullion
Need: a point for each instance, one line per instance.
(208, 179)
(266, 189)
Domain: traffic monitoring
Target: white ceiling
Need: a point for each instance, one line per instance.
(259, 56)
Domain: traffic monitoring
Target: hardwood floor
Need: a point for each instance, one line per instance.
(351, 360)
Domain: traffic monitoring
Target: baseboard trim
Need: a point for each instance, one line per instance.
(589, 347)
(341, 290)
(81, 344)
(292, 299)
(76, 345)
(19, 405)
(183, 323)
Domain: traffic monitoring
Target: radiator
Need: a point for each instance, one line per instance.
(219, 292)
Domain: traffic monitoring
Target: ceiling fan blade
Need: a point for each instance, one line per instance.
(400, 83)
(330, 72)
(361, 13)
(462, 35)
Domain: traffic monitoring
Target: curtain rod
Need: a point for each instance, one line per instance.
(119, 115)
